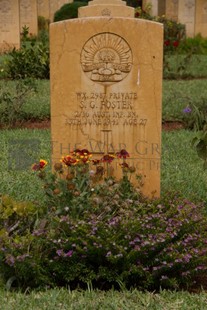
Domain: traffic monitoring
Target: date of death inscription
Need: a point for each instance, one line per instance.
(102, 109)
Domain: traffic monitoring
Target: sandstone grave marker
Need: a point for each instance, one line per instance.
(106, 86)
(43, 8)
(9, 24)
(28, 15)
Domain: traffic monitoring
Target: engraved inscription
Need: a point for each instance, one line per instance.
(6, 18)
(106, 12)
(103, 109)
(106, 58)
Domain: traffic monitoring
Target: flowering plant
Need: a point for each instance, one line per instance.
(140, 243)
(77, 178)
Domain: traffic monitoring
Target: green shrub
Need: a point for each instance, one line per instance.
(43, 23)
(30, 61)
(12, 102)
(196, 45)
(68, 11)
(200, 144)
(174, 32)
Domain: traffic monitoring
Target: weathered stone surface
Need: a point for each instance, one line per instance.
(103, 8)
(106, 86)
(201, 18)
(9, 24)
(28, 15)
(186, 15)
(171, 8)
(43, 8)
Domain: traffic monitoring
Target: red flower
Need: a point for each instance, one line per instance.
(122, 154)
(175, 43)
(40, 166)
(83, 152)
(69, 161)
(96, 161)
(108, 158)
(124, 165)
(167, 43)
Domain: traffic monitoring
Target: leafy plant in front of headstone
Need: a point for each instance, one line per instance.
(77, 178)
(200, 144)
(17, 221)
(11, 103)
(30, 61)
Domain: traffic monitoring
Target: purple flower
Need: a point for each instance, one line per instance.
(59, 252)
(187, 110)
(108, 254)
(10, 260)
(69, 253)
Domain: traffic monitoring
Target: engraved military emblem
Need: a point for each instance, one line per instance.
(106, 58)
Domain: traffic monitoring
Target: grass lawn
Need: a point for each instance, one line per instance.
(62, 299)
(187, 66)
(181, 168)
(176, 96)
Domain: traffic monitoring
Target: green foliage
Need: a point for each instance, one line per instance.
(134, 3)
(196, 45)
(68, 11)
(179, 68)
(174, 32)
(43, 23)
(10, 209)
(11, 104)
(74, 180)
(195, 117)
(200, 143)
(30, 61)
(177, 95)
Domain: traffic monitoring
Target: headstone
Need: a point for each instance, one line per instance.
(106, 8)
(106, 86)
(171, 7)
(154, 6)
(43, 8)
(201, 18)
(186, 15)
(9, 24)
(28, 15)
(161, 7)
